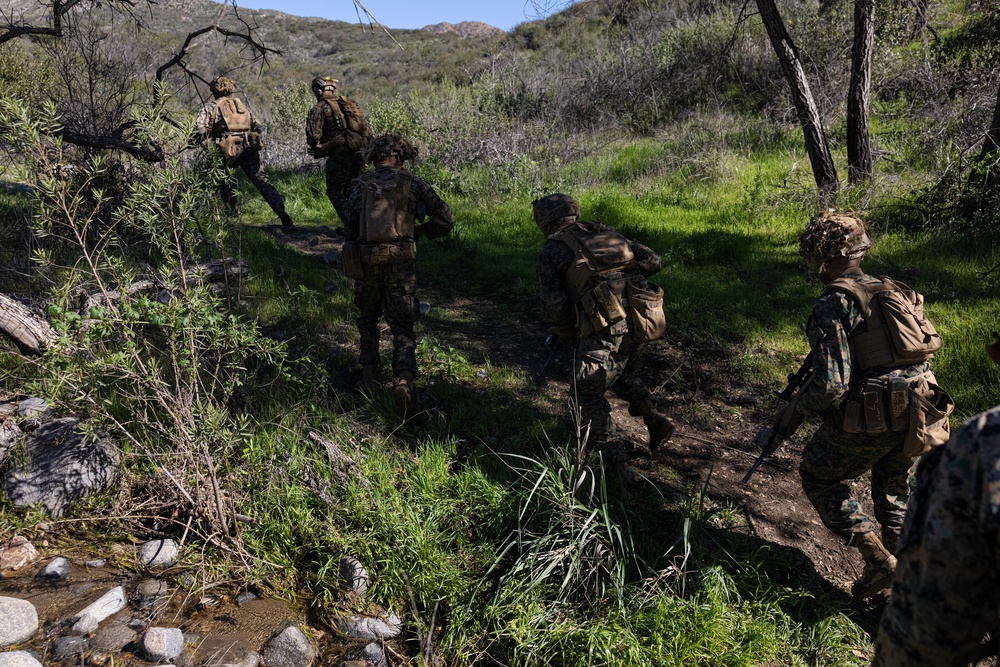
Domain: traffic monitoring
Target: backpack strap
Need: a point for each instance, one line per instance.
(872, 347)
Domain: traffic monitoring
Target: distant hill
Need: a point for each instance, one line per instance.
(464, 29)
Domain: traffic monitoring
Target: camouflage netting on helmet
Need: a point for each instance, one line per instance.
(553, 209)
(221, 85)
(387, 145)
(321, 83)
(832, 235)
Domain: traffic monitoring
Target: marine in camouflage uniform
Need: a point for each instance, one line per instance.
(328, 135)
(211, 125)
(946, 592)
(835, 244)
(387, 287)
(604, 358)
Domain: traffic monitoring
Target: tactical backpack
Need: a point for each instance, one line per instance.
(348, 116)
(230, 118)
(899, 333)
(601, 304)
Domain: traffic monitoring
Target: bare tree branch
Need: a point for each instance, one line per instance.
(12, 28)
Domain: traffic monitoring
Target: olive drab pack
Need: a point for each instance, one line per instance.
(603, 303)
(385, 215)
(231, 127)
(347, 115)
(898, 332)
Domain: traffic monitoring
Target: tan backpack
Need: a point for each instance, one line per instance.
(385, 215)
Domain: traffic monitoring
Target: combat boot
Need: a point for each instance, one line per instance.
(660, 428)
(404, 395)
(368, 373)
(879, 566)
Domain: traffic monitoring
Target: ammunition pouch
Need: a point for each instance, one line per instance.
(351, 254)
(396, 252)
(916, 406)
(645, 308)
(255, 140)
(231, 145)
(601, 306)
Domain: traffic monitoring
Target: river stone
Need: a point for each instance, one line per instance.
(67, 647)
(60, 465)
(367, 627)
(353, 576)
(289, 648)
(90, 616)
(95, 563)
(17, 553)
(113, 638)
(20, 621)
(57, 568)
(163, 643)
(245, 597)
(18, 659)
(9, 435)
(159, 553)
(32, 407)
(364, 656)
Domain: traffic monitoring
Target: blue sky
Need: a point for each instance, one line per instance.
(503, 14)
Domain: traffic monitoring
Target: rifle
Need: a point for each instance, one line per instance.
(770, 437)
(551, 342)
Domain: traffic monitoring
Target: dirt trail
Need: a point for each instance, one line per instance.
(716, 415)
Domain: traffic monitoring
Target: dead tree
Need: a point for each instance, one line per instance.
(805, 106)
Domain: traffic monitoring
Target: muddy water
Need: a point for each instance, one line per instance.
(218, 629)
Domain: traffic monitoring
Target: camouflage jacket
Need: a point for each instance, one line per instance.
(553, 264)
(972, 461)
(203, 124)
(834, 317)
(423, 201)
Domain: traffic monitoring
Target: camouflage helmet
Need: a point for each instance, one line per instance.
(221, 86)
(321, 83)
(831, 236)
(387, 145)
(553, 209)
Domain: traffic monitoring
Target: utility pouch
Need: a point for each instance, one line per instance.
(645, 306)
(351, 252)
(930, 406)
(379, 254)
(231, 146)
(602, 306)
(899, 404)
(853, 416)
(873, 396)
(255, 140)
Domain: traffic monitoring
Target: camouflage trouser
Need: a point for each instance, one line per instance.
(249, 162)
(607, 359)
(342, 169)
(946, 591)
(833, 457)
(390, 290)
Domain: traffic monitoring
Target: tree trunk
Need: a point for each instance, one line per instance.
(816, 145)
(992, 141)
(30, 333)
(859, 149)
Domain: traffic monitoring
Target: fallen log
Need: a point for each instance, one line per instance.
(30, 332)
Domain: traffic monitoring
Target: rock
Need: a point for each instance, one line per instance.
(60, 465)
(151, 591)
(220, 652)
(68, 647)
(113, 638)
(368, 655)
(57, 568)
(17, 553)
(90, 616)
(163, 643)
(367, 627)
(334, 259)
(245, 597)
(96, 563)
(313, 242)
(289, 648)
(10, 433)
(18, 659)
(159, 553)
(32, 407)
(353, 576)
(20, 621)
